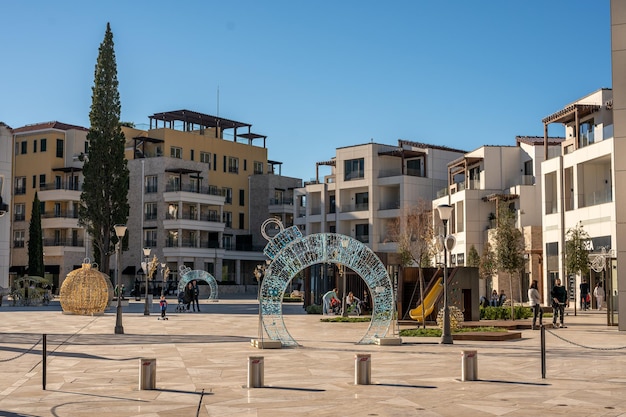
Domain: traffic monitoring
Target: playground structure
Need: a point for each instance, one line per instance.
(188, 275)
(290, 252)
(431, 298)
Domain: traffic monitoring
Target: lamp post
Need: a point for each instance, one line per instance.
(146, 268)
(120, 231)
(445, 211)
(163, 265)
(342, 272)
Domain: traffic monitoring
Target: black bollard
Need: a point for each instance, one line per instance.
(43, 352)
(543, 352)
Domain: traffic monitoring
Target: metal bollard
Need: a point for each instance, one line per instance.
(469, 365)
(255, 371)
(362, 369)
(147, 373)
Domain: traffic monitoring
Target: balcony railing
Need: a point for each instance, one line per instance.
(389, 205)
(19, 217)
(63, 242)
(210, 217)
(150, 216)
(192, 188)
(19, 190)
(595, 198)
(281, 202)
(61, 186)
(66, 214)
(355, 207)
(362, 238)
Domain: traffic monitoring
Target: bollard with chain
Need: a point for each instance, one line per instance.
(543, 352)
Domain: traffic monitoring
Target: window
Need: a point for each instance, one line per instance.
(241, 220)
(176, 152)
(227, 218)
(35, 146)
(362, 232)
(258, 167)
(172, 239)
(361, 201)
(34, 181)
(279, 196)
(20, 185)
(59, 148)
(354, 169)
(58, 182)
(227, 241)
(191, 154)
(17, 148)
(415, 167)
(43, 145)
(24, 147)
(18, 239)
(214, 162)
(151, 238)
(228, 195)
(57, 209)
(245, 164)
(173, 183)
(233, 165)
(205, 157)
(585, 136)
(42, 181)
(151, 184)
(19, 212)
(242, 196)
(150, 212)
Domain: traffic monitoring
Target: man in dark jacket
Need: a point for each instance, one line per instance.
(559, 301)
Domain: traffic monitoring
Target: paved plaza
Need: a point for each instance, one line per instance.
(202, 365)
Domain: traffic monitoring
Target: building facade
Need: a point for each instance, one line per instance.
(6, 147)
(46, 162)
(478, 183)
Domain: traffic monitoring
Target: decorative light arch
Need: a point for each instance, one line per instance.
(187, 275)
(291, 252)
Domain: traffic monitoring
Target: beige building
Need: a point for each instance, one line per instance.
(6, 147)
(45, 161)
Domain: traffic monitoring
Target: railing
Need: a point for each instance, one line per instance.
(150, 243)
(211, 217)
(18, 243)
(19, 217)
(19, 190)
(281, 202)
(192, 188)
(355, 207)
(63, 242)
(316, 210)
(473, 185)
(171, 243)
(528, 180)
(443, 192)
(389, 205)
(385, 173)
(62, 186)
(595, 198)
(67, 214)
(362, 238)
(189, 243)
(551, 207)
(151, 189)
(150, 216)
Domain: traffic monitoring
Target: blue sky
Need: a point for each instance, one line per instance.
(314, 76)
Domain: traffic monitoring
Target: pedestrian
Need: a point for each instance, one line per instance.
(559, 301)
(163, 307)
(327, 298)
(535, 303)
(188, 297)
(196, 294)
(598, 293)
(584, 294)
(502, 299)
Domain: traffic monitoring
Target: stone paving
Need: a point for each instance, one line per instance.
(202, 364)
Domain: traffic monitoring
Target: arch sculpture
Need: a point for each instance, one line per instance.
(187, 275)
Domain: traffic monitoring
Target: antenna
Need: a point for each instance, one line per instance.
(218, 100)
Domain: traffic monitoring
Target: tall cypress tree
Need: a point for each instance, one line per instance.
(35, 243)
(104, 199)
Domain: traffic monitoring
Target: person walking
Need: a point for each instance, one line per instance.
(535, 303)
(188, 297)
(598, 293)
(196, 294)
(584, 294)
(163, 307)
(559, 301)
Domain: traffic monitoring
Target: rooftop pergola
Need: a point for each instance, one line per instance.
(571, 113)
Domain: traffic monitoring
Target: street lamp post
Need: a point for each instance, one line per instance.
(120, 231)
(146, 268)
(445, 211)
(163, 265)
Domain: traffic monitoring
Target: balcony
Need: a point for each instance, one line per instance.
(64, 242)
(595, 198)
(60, 214)
(389, 205)
(355, 207)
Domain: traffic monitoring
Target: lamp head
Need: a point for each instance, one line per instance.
(445, 211)
(120, 230)
(146, 252)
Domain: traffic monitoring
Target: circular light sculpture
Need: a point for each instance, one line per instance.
(86, 291)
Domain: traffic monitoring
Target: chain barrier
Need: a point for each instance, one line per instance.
(581, 345)
(23, 353)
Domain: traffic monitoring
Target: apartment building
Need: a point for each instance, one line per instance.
(6, 146)
(578, 188)
(478, 182)
(191, 195)
(45, 161)
(368, 187)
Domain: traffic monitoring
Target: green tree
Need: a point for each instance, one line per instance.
(35, 241)
(487, 266)
(509, 246)
(104, 200)
(577, 251)
(473, 259)
(413, 231)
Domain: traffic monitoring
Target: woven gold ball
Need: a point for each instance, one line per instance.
(86, 291)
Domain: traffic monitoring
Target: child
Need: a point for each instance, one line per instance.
(163, 305)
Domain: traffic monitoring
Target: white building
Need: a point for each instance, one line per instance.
(477, 182)
(578, 188)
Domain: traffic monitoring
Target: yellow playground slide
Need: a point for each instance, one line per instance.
(429, 302)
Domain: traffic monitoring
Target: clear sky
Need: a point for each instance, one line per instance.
(316, 75)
